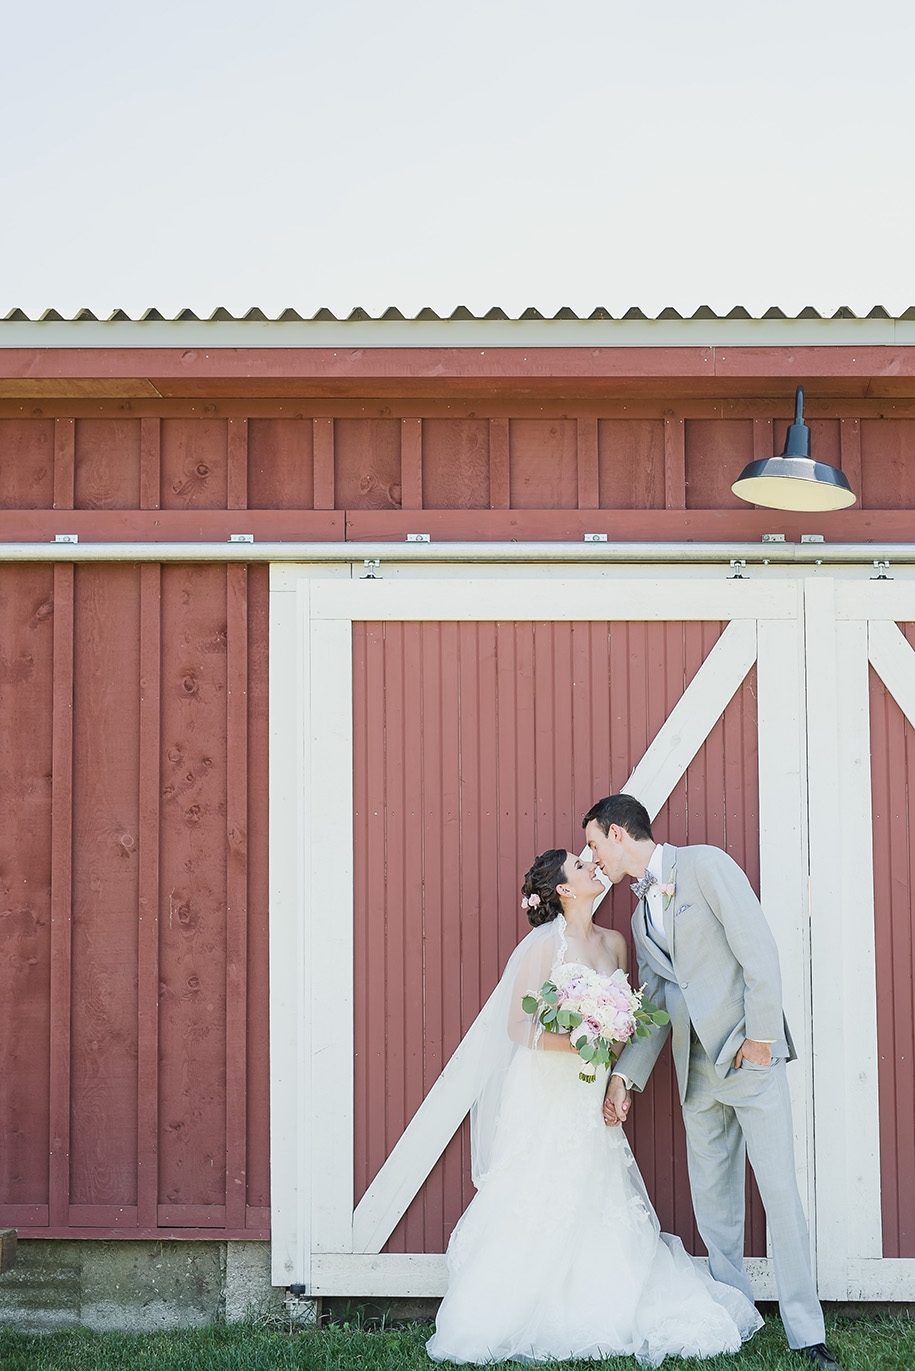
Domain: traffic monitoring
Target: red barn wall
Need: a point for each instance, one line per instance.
(133, 756)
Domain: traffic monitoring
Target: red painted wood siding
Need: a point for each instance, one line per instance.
(893, 772)
(103, 675)
(637, 468)
(476, 746)
(133, 899)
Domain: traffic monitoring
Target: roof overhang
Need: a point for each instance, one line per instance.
(556, 359)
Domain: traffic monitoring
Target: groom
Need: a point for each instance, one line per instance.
(707, 956)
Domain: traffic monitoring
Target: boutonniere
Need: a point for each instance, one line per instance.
(667, 889)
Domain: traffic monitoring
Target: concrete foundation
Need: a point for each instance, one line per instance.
(136, 1286)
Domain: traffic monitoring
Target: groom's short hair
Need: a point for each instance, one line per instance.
(623, 810)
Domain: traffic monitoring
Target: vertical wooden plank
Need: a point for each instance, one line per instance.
(291, 1142)
(674, 463)
(499, 475)
(236, 891)
(26, 744)
(783, 866)
(630, 457)
(257, 1169)
(194, 463)
(588, 475)
(762, 441)
(850, 449)
(149, 897)
(368, 464)
(107, 464)
(455, 463)
(853, 937)
(105, 889)
(887, 464)
(841, 905)
(716, 452)
(411, 463)
(64, 462)
(192, 947)
(150, 463)
(329, 819)
(323, 447)
(61, 871)
(543, 464)
(237, 465)
(280, 463)
(452, 928)
(27, 463)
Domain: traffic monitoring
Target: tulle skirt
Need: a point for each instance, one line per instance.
(560, 1255)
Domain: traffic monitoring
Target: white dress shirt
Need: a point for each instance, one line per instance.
(654, 900)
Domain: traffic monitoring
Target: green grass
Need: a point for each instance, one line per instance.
(881, 1342)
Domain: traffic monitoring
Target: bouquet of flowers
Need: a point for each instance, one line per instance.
(598, 1011)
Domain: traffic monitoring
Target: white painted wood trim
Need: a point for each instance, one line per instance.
(694, 716)
(783, 866)
(418, 1274)
(892, 600)
(841, 912)
(893, 660)
(888, 1278)
(290, 1023)
(551, 598)
(857, 936)
(824, 823)
(329, 925)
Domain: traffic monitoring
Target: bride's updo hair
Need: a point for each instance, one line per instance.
(539, 896)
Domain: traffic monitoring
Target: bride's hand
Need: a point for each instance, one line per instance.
(616, 1105)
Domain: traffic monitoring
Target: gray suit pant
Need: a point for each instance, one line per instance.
(749, 1112)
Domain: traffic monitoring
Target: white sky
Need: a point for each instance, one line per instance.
(513, 152)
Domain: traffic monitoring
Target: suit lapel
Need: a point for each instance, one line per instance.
(669, 877)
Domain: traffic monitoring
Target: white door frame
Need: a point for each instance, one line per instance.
(851, 624)
(315, 1240)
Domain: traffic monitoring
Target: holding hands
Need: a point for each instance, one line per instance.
(616, 1103)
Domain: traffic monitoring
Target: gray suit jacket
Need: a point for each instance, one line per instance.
(722, 975)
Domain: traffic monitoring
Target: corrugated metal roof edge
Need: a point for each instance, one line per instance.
(360, 315)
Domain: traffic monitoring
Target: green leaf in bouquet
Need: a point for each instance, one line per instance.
(587, 1052)
(660, 1016)
(529, 1004)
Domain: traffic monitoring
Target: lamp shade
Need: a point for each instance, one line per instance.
(793, 480)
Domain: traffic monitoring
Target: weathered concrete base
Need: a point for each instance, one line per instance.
(136, 1286)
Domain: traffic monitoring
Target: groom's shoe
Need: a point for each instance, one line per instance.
(820, 1355)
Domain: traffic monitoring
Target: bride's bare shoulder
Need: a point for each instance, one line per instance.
(615, 946)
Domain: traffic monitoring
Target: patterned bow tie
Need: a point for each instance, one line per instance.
(642, 887)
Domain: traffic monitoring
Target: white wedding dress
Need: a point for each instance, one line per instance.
(560, 1254)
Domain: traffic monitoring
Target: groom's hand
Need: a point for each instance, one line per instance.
(616, 1104)
(760, 1054)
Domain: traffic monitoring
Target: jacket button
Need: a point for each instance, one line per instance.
(684, 984)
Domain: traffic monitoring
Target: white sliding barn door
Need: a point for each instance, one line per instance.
(322, 1239)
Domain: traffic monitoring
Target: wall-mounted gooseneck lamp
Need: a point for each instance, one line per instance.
(794, 480)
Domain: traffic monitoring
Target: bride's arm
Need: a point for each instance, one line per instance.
(523, 1028)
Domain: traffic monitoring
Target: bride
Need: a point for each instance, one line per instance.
(560, 1254)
